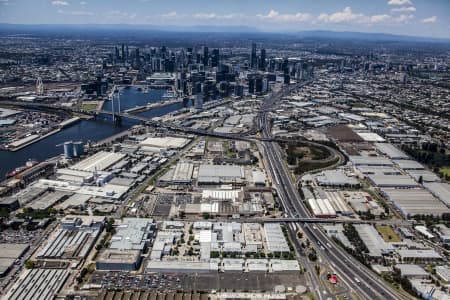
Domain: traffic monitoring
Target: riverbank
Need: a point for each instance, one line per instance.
(27, 141)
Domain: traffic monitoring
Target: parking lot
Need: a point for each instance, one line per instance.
(237, 281)
(124, 280)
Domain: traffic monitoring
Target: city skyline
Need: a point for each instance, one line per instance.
(404, 17)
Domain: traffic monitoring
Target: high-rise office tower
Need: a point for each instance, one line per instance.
(205, 56)
(253, 58)
(262, 60)
(215, 56)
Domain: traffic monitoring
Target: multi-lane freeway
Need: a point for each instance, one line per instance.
(357, 276)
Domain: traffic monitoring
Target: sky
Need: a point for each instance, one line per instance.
(428, 18)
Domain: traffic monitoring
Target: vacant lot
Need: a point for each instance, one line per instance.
(388, 234)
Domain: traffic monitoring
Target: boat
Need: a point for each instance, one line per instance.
(30, 163)
(169, 95)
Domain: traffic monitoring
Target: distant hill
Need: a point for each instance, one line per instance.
(6, 28)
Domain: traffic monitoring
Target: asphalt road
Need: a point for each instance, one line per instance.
(358, 277)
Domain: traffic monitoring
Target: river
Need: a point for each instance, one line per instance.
(86, 130)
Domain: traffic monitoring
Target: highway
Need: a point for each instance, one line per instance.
(358, 277)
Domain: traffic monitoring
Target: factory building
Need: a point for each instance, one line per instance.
(38, 284)
(221, 174)
(411, 202)
(132, 237)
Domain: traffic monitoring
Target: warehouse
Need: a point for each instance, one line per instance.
(119, 260)
(98, 162)
(370, 136)
(374, 242)
(336, 178)
(406, 164)
(258, 265)
(165, 143)
(417, 256)
(390, 151)
(70, 243)
(179, 266)
(48, 199)
(370, 161)
(279, 265)
(8, 255)
(427, 176)
(183, 173)
(412, 202)
(395, 181)
(321, 208)
(38, 284)
(220, 174)
(411, 271)
(275, 239)
(337, 202)
(132, 234)
(440, 190)
(378, 170)
(221, 195)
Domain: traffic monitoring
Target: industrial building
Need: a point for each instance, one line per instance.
(412, 202)
(132, 237)
(321, 208)
(440, 190)
(275, 239)
(133, 234)
(394, 181)
(336, 178)
(38, 284)
(98, 162)
(74, 239)
(370, 161)
(407, 164)
(183, 173)
(374, 242)
(9, 252)
(418, 256)
(220, 174)
(119, 260)
(390, 151)
(165, 143)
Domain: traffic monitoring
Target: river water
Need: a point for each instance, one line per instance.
(86, 130)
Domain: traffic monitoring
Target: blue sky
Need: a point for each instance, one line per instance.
(411, 17)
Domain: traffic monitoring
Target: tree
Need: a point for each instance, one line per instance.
(30, 264)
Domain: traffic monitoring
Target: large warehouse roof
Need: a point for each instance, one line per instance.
(440, 190)
(390, 151)
(219, 173)
(98, 162)
(37, 284)
(393, 181)
(370, 160)
(415, 202)
(165, 142)
(131, 234)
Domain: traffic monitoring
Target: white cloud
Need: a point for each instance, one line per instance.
(379, 18)
(404, 9)
(432, 19)
(273, 15)
(348, 16)
(403, 18)
(118, 15)
(60, 3)
(214, 16)
(172, 14)
(83, 3)
(399, 2)
(76, 12)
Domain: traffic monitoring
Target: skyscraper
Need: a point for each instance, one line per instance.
(262, 60)
(205, 56)
(253, 58)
